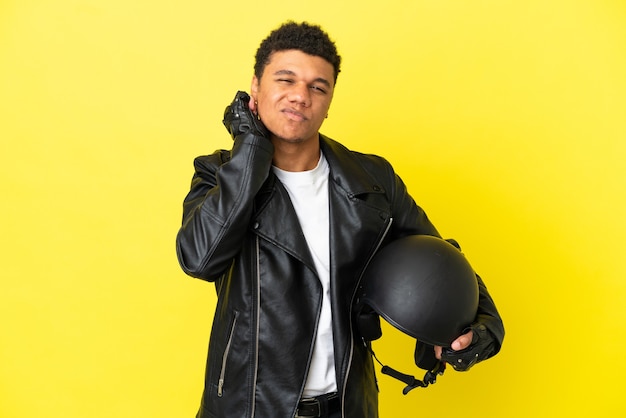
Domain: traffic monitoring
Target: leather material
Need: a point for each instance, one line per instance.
(240, 231)
(239, 119)
(425, 356)
(482, 347)
(320, 406)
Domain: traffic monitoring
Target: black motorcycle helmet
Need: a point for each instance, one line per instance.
(423, 286)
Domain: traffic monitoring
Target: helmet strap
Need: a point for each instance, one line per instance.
(429, 378)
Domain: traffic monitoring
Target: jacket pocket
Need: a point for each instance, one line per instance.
(231, 333)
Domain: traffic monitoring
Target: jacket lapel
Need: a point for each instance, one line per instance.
(359, 206)
(359, 212)
(277, 222)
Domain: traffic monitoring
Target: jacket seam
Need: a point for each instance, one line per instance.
(349, 365)
(228, 220)
(257, 326)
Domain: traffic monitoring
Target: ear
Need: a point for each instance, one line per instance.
(254, 87)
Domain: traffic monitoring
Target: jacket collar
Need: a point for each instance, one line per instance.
(345, 171)
(347, 177)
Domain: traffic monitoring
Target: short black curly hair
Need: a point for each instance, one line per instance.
(308, 38)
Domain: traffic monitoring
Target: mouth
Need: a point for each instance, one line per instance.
(294, 115)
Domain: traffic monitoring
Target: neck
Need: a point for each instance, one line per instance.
(301, 156)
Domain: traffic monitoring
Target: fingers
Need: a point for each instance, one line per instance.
(457, 345)
(240, 117)
(460, 343)
(463, 341)
(438, 352)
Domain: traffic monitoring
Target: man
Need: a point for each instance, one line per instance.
(284, 224)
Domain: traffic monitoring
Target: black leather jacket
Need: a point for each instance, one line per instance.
(240, 230)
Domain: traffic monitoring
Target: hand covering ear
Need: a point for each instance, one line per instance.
(239, 119)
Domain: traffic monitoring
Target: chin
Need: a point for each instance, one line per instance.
(290, 139)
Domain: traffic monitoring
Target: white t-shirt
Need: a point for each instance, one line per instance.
(308, 191)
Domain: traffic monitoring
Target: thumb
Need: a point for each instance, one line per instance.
(462, 342)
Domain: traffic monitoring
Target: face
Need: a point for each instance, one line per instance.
(294, 94)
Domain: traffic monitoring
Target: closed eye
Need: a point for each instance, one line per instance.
(318, 89)
(322, 85)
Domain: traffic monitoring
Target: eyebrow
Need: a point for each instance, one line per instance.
(317, 80)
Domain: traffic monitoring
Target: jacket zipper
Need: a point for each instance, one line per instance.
(345, 380)
(220, 384)
(258, 315)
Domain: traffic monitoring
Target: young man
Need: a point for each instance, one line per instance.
(284, 224)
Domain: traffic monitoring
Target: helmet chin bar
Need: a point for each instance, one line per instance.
(429, 378)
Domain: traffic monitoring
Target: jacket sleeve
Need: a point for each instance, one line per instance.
(217, 209)
(411, 219)
(489, 317)
(408, 217)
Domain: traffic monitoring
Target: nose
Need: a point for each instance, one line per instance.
(300, 94)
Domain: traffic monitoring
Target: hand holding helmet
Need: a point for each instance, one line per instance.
(482, 346)
(423, 286)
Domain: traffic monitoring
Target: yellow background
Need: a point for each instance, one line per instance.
(507, 120)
